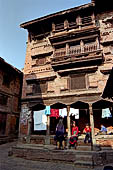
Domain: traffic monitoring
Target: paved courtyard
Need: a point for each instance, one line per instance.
(12, 163)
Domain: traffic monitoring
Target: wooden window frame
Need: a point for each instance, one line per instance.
(78, 75)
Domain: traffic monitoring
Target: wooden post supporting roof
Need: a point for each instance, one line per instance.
(48, 125)
(68, 122)
(92, 125)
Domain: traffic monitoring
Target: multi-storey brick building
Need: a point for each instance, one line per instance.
(10, 95)
(68, 60)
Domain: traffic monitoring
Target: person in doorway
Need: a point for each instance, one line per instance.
(59, 138)
(103, 130)
(74, 137)
(87, 131)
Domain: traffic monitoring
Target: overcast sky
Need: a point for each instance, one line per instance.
(13, 13)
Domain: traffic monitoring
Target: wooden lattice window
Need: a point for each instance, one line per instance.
(77, 82)
(40, 87)
(3, 99)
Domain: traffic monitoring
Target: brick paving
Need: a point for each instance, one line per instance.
(13, 163)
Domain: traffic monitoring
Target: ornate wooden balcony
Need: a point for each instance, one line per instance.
(77, 53)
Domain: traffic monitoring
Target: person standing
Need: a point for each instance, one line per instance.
(59, 138)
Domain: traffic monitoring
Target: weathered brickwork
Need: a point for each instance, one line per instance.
(10, 95)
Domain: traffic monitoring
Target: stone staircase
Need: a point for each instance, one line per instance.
(82, 157)
(6, 139)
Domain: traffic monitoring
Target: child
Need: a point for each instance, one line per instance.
(87, 131)
(73, 139)
(103, 130)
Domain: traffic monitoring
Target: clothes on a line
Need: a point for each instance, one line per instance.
(40, 120)
(106, 113)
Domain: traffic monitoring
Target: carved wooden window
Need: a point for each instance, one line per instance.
(3, 99)
(40, 87)
(41, 61)
(77, 82)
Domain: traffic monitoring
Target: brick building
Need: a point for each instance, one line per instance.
(69, 57)
(10, 95)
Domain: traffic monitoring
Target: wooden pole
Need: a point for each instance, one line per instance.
(68, 122)
(48, 125)
(92, 126)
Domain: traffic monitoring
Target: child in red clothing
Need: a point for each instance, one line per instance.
(87, 131)
(74, 137)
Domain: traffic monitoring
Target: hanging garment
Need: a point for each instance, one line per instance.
(54, 113)
(106, 113)
(74, 112)
(47, 110)
(63, 112)
(40, 120)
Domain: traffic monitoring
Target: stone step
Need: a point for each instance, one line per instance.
(84, 148)
(84, 157)
(83, 164)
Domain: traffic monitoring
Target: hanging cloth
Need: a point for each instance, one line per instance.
(106, 113)
(74, 112)
(54, 113)
(47, 110)
(40, 120)
(63, 112)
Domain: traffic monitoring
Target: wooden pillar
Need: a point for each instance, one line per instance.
(48, 125)
(68, 122)
(79, 21)
(53, 27)
(67, 49)
(82, 46)
(97, 42)
(47, 137)
(92, 126)
(29, 127)
(66, 24)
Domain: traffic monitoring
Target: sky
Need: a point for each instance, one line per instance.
(14, 12)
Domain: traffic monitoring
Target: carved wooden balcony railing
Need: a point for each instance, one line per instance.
(76, 52)
(90, 48)
(60, 53)
(82, 49)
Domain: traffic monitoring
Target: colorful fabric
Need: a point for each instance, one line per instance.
(54, 113)
(40, 120)
(73, 140)
(87, 130)
(63, 112)
(106, 113)
(74, 112)
(47, 110)
(75, 131)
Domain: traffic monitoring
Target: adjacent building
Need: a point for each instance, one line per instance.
(69, 57)
(10, 97)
